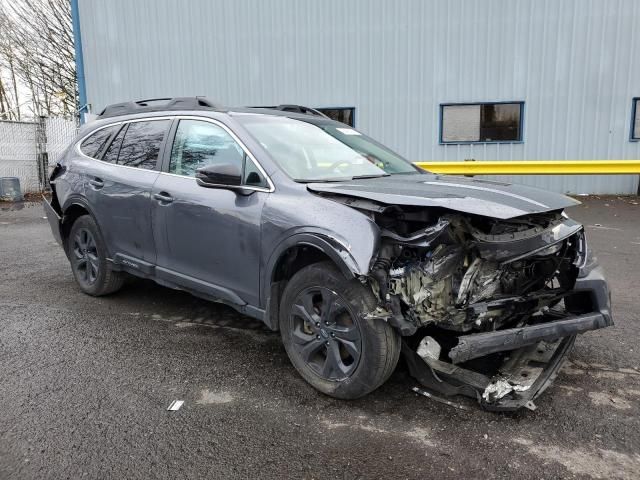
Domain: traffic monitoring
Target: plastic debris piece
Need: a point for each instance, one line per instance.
(497, 389)
(175, 405)
(430, 395)
(429, 348)
(500, 387)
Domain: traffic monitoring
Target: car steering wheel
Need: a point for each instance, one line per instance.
(335, 165)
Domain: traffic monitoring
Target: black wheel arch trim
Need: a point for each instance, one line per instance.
(325, 242)
(77, 200)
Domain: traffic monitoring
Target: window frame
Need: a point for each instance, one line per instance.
(125, 124)
(634, 110)
(164, 156)
(481, 142)
(247, 153)
(106, 144)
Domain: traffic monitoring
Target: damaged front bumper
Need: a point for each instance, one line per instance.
(530, 356)
(482, 344)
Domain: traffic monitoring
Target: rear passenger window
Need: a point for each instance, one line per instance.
(92, 145)
(141, 144)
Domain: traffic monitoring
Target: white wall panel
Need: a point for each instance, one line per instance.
(575, 64)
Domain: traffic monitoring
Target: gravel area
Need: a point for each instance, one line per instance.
(85, 384)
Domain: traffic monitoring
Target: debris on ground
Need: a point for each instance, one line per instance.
(175, 405)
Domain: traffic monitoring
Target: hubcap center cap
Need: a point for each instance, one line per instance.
(324, 333)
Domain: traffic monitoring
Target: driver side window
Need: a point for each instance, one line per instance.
(198, 144)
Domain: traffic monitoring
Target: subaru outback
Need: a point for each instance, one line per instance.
(355, 255)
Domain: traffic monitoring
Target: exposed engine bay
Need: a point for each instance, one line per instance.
(467, 273)
(488, 308)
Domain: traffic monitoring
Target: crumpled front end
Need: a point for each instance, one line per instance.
(498, 302)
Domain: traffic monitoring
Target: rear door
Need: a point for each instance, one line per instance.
(119, 189)
(208, 239)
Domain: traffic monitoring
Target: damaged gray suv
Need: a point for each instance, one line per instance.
(354, 254)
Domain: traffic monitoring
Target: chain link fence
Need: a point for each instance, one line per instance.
(29, 149)
(18, 156)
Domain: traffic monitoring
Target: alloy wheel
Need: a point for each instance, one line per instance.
(325, 335)
(85, 252)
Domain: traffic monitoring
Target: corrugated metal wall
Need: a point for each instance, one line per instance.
(575, 63)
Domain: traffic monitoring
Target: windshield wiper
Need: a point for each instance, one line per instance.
(360, 177)
(321, 180)
(340, 179)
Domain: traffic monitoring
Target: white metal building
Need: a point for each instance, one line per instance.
(432, 79)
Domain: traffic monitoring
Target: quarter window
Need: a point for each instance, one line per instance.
(141, 144)
(481, 122)
(92, 145)
(251, 175)
(635, 120)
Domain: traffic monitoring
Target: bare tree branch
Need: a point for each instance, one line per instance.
(37, 51)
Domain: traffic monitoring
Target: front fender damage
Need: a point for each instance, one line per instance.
(488, 308)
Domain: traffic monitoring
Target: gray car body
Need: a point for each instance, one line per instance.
(226, 245)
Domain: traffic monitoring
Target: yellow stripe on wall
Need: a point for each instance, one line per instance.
(535, 167)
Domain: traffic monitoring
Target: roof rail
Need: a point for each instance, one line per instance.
(296, 109)
(158, 105)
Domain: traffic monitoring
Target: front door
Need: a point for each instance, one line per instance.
(208, 239)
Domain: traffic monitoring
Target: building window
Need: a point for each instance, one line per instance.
(635, 120)
(481, 122)
(345, 115)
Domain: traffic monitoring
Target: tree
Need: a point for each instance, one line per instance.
(37, 63)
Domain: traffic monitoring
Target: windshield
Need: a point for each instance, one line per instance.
(310, 152)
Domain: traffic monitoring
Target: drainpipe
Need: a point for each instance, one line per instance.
(77, 40)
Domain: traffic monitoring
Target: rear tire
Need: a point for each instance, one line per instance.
(327, 338)
(88, 258)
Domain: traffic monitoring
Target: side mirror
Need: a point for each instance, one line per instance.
(219, 175)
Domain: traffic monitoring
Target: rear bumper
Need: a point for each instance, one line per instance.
(54, 219)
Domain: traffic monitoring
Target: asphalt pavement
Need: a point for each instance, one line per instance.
(85, 384)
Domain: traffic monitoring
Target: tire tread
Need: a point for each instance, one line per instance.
(113, 280)
(383, 358)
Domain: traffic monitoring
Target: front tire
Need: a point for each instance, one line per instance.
(328, 339)
(88, 258)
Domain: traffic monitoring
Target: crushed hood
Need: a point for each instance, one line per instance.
(462, 194)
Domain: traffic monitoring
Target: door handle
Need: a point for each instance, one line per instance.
(96, 182)
(163, 197)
